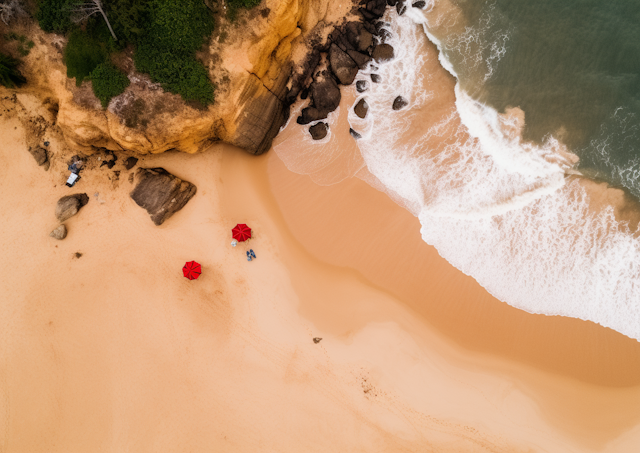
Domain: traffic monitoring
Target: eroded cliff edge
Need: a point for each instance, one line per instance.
(253, 64)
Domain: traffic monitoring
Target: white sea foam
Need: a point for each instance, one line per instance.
(495, 207)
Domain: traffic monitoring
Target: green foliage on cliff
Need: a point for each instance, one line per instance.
(54, 15)
(10, 75)
(84, 52)
(167, 50)
(108, 82)
(235, 6)
(128, 18)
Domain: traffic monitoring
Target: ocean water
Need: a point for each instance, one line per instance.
(482, 153)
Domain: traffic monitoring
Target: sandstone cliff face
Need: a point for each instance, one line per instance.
(251, 68)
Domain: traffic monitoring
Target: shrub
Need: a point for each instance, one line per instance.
(235, 5)
(54, 15)
(10, 76)
(167, 50)
(108, 82)
(128, 18)
(83, 54)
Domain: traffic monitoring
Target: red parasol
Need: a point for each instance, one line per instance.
(241, 232)
(192, 270)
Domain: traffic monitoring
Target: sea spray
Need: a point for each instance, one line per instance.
(496, 207)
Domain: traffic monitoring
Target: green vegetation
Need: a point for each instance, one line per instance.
(235, 5)
(83, 54)
(166, 34)
(10, 76)
(24, 46)
(167, 51)
(108, 82)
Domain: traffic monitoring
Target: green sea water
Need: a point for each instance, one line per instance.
(573, 66)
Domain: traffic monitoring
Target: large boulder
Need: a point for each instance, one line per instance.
(69, 205)
(382, 53)
(359, 58)
(399, 103)
(361, 109)
(342, 65)
(161, 193)
(325, 94)
(319, 131)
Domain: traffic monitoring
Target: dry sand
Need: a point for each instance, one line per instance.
(114, 350)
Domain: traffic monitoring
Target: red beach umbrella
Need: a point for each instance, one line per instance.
(192, 270)
(241, 232)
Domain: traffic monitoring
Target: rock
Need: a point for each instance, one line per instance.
(419, 4)
(130, 162)
(309, 115)
(161, 193)
(382, 53)
(325, 95)
(362, 86)
(40, 155)
(359, 58)
(392, 2)
(342, 65)
(354, 134)
(317, 340)
(399, 103)
(59, 233)
(319, 131)
(375, 78)
(361, 109)
(69, 205)
(401, 7)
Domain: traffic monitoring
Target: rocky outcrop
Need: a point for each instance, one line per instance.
(161, 193)
(69, 205)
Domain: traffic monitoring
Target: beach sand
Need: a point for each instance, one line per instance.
(106, 347)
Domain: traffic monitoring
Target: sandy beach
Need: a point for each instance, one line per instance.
(106, 347)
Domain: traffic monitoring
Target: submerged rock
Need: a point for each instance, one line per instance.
(161, 193)
(419, 4)
(399, 103)
(59, 233)
(361, 109)
(319, 131)
(383, 52)
(354, 134)
(401, 7)
(375, 78)
(69, 205)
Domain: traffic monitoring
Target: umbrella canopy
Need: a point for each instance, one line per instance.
(241, 232)
(192, 270)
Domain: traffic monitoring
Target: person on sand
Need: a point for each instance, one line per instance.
(249, 256)
(234, 243)
(252, 254)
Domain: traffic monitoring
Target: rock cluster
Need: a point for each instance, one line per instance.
(161, 193)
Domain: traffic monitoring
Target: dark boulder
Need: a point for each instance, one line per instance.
(392, 2)
(309, 115)
(69, 205)
(419, 4)
(161, 193)
(354, 134)
(361, 109)
(375, 78)
(130, 162)
(401, 7)
(359, 58)
(382, 53)
(40, 155)
(399, 103)
(319, 131)
(362, 86)
(325, 94)
(342, 65)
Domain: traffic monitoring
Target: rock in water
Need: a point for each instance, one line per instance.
(375, 78)
(319, 131)
(419, 4)
(161, 193)
(69, 205)
(59, 233)
(354, 134)
(361, 108)
(400, 103)
(401, 7)
(382, 53)
(362, 86)
(342, 65)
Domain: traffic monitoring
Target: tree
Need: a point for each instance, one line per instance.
(10, 9)
(10, 76)
(85, 9)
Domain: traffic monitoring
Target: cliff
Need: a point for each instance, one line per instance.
(251, 62)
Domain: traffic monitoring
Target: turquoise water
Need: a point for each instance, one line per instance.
(573, 66)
